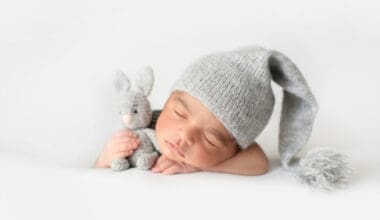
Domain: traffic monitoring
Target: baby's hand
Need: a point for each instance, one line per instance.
(168, 167)
(121, 144)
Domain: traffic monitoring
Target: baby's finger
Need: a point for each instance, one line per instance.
(118, 144)
(126, 133)
(160, 159)
(124, 149)
(121, 140)
(156, 166)
(123, 154)
(162, 164)
(175, 168)
(127, 143)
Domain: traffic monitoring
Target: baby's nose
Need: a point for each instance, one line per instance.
(187, 137)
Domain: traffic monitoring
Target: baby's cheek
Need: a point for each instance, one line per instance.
(163, 123)
(202, 159)
(160, 128)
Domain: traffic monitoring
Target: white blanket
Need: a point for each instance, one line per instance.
(58, 108)
(31, 189)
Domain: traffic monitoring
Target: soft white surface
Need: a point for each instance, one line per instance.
(57, 105)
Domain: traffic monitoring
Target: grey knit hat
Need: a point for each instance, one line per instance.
(236, 86)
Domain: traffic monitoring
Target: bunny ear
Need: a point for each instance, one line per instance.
(299, 108)
(122, 83)
(145, 80)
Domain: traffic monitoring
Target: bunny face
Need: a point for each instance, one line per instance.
(134, 106)
(135, 110)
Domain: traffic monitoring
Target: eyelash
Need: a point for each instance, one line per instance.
(208, 141)
(177, 113)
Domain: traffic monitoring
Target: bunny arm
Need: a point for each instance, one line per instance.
(152, 137)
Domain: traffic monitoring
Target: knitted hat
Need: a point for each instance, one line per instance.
(236, 86)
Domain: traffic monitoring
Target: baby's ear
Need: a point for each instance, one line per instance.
(145, 80)
(122, 83)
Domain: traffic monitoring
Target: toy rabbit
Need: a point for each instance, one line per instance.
(136, 114)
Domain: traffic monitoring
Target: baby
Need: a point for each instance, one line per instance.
(216, 110)
(188, 144)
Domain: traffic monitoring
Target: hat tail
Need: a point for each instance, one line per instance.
(320, 168)
(299, 108)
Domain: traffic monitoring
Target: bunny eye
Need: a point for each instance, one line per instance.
(135, 111)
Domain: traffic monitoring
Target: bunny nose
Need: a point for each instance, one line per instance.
(127, 119)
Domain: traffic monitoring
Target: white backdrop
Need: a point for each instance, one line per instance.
(57, 104)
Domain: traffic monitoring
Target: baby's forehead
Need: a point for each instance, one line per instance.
(198, 109)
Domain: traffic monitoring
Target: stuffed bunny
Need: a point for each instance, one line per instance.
(136, 114)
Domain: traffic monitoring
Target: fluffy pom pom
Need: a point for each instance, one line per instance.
(325, 169)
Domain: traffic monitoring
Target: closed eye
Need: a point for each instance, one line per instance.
(208, 141)
(179, 114)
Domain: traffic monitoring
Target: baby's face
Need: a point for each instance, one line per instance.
(188, 132)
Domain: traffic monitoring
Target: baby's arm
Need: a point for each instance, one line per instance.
(167, 166)
(251, 161)
(121, 144)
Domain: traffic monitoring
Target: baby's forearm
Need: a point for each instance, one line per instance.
(251, 161)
